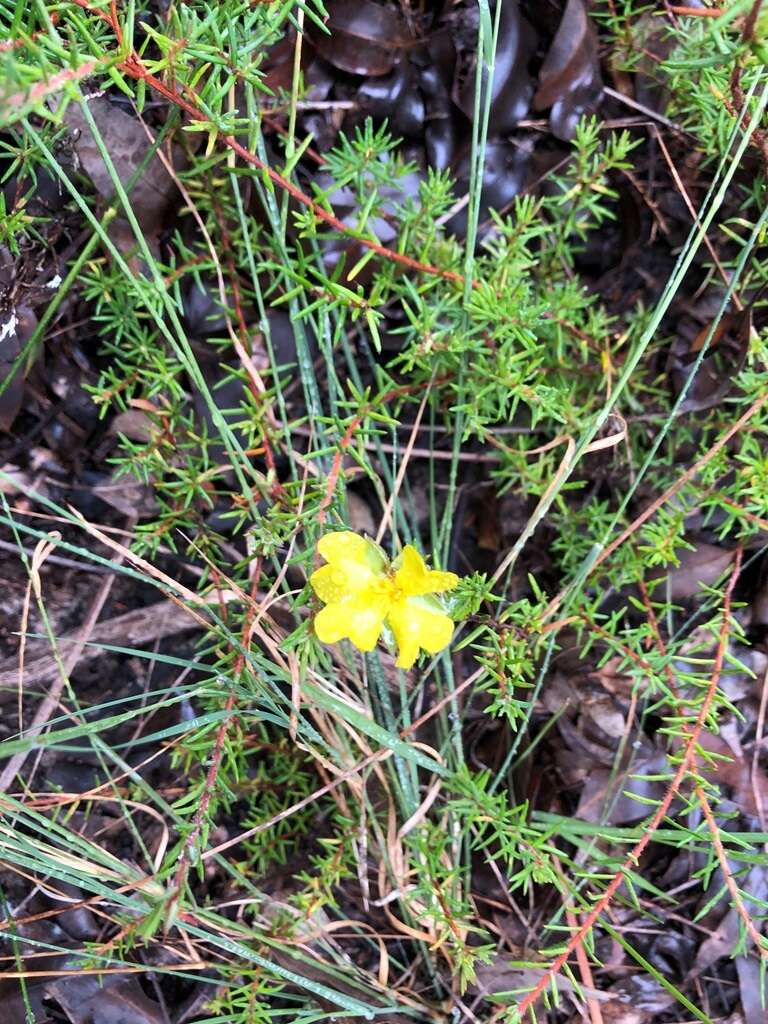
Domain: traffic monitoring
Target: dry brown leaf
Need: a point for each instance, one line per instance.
(16, 328)
(127, 143)
(127, 495)
(621, 799)
(752, 990)
(736, 772)
(512, 85)
(569, 80)
(722, 942)
(606, 715)
(699, 567)
(364, 37)
(134, 424)
(360, 515)
(619, 1013)
(86, 998)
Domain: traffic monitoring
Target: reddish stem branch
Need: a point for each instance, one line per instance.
(686, 761)
(333, 476)
(681, 481)
(398, 392)
(185, 858)
(701, 796)
(134, 68)
(696, 12)
(730, 881)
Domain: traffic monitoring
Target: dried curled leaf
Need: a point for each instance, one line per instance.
(570, 81)
(364, 38)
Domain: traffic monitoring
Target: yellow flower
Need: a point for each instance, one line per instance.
(362, 592)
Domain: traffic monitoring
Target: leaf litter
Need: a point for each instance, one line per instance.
(597, 756)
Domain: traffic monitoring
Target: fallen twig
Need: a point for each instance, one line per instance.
(62, 669)
(133, 629)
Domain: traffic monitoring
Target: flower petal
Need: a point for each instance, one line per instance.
(329, 583)
(414, 578)
(357, 561)
(336, 547)
(418, 624)
(358, 618)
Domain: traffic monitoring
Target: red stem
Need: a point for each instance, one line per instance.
(134, 68)
(689, 756)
